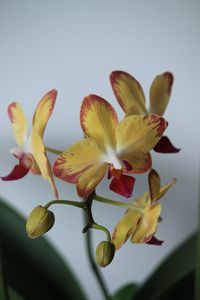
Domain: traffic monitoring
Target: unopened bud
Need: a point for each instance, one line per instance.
(39, 221)
(104, 253)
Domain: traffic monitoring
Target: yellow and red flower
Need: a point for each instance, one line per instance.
(122, 147)
(30, 150)
(139, 223)
(130, 96)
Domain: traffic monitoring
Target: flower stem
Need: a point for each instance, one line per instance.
(99, 227)
(89, 221)
(67, 202)
(116, 203)
(54, 151)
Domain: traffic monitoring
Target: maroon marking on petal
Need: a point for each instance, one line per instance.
(155, 241)
(18, 172)
(110, 175)
(128, 166)
(10, 113)
(123, 185)
(165, 146)
(170, 79)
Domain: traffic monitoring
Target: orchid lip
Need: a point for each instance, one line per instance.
(27, 145)
(111, 158)
(17, 151)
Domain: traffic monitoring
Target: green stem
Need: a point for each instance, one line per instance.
(116, 203)
(54, 151)
(89, 221)
(102, 228)
(67, 202)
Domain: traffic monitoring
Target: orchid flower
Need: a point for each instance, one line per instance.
(139, 223)
(120, 147)
(30, 150)
(130, 96)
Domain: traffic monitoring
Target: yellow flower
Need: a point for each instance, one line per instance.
(140, 222)
(122, 147)
(130, 96)
(30, 150)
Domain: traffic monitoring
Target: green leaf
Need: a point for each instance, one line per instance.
(13, 295)
(172, 275)
(3, 283)
(197, 274)
(126, 292)
(33, 268)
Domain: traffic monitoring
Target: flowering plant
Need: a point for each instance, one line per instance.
(118, 149)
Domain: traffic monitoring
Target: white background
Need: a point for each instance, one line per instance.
(73, 46)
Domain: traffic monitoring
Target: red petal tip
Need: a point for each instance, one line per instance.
(165, 146)
(154, 241)
(123, 185)
(18, 172)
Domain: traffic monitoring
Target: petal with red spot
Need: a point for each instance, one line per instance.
(165, 146)
(155, 241)
(18, 172)
(123, 185)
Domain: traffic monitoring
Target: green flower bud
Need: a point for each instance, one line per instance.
(105, 252)
(39, 221)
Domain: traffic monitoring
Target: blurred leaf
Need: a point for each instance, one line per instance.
(13, 295)
(175, 275)
(3, 284)
(182, 289)
(32, 267)
(197, 274)
(126, 292)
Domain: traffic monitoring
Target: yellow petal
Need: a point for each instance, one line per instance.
(76, 159)
(39, 154)
(143, 202)
(125, 227)
(90, 178)
(147, 225)
(165, 188)
(98, 121)
(43, 111)
(140, 164)
(154, 185)
(128, 92)
(19, 122)
(137, 135)
(35, 169)
(160, 93)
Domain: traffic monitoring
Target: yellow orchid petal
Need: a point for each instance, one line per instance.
(147, 225)
(35, 169)
(165, 188)
(125, 227)
(140, 164)
(160, 92)
(154, 185)
(137, 135)
(19, 122)
(77, 159)
(133, 110)
(39, 154)
(128, 92)
(43, 111)
(90, 178)
(143, 202)
(98, 121)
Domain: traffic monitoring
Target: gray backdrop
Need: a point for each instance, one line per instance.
(73, 46)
